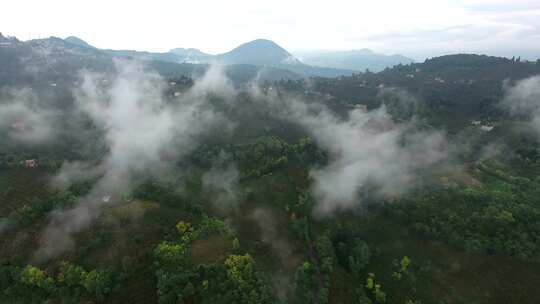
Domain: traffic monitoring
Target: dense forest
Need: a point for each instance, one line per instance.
(127, 184)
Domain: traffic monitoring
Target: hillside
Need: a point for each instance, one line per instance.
(455, 88)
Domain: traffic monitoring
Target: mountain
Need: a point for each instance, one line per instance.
(2, 38)
(5, 41)
(43, 62)
(77, 41)
(265, 52)
(191, 55)
(258, 52)
(60, 59)
(142, 55)
(359, 60)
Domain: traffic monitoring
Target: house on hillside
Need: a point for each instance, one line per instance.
(439, 80)
(486, 128)
(30, 163)
(18, 126)
(361, 107)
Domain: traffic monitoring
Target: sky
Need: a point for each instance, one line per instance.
(416, 28)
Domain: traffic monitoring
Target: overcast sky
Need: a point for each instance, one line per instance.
(414, 28)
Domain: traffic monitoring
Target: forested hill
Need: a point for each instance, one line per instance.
(453, 88)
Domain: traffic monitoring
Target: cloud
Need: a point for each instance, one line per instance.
(523, 100)
(145, 134)
(366, 150)
(74, 172)
(24, 119)
(269, 234)
(221, 181)
(466, 37)
(500, 5)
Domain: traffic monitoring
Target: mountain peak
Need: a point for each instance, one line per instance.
(8, 39)
(262, 42)
(188, 51)
(77, 41)
(259, 52)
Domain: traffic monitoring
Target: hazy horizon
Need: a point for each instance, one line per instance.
(417, 30)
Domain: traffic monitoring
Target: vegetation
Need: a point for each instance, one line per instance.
(468, 234)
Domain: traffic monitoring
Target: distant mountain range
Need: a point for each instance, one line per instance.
(359, 60)
(261, 58)
(260, 52)
(42, 62)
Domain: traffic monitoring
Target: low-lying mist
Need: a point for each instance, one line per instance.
(24, 119)
(147, 131)
(523, 101)
(367, 149)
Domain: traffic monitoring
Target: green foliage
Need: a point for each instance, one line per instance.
(236, 280)
(250, 288)
(213, 225)
(98, 283)
(325, 250)
(185, 230)
(375, 289)
(71, 276)
(402, 267)
(305, 282)
(500, 217)
(359, 257)
(173, 271)
(73, 279)
(37, 278)
(240, 268)
(33, 285)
